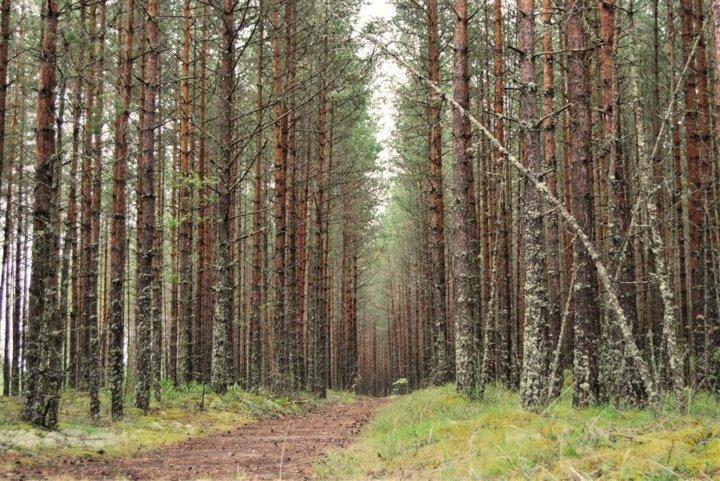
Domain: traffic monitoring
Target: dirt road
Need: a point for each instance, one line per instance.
(277, 448)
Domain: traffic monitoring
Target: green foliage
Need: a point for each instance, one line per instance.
(438, 434)
(400, 386)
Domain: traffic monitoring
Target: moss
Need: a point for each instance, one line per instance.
(183, 412)
(437, 434)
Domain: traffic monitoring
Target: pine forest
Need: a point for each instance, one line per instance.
(445, 239)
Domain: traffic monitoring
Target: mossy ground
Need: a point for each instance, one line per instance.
(437, 434)
(182, 413)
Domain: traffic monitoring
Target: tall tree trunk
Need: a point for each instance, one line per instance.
(617, 202)
(91, 301)
(468, 380)
(585, 304)
(156, 334)
(116, 323)
(146, 213)
(4, 61)
(302, 258)
(43, 349)
(326, 314)
(5, 268)
(440, 370)
(87, 290)
(679, 266)
(220, 375)
(698, 172)
(692, 157)
(295, 355)
(535, 346)
(550, 167)
(344, 363)
(171, 354)
(255, 357)
(499, 336)
(715, 11)
(280, 167)
(317, 319)
(19, 288)
(9, 373)
(71, 227)
(195, 341)
(185, 320)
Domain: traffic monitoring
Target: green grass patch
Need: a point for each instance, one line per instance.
(437, 434)
(183, 412)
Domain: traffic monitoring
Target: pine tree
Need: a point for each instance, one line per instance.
(116, 319)
(535, 347)
(222, 319)
(585, 368)
(441, 358)
(43, 350)
(146, 211)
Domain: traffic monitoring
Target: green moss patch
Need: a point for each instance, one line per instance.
(437, 434)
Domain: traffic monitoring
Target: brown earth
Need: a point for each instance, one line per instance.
(273, 448)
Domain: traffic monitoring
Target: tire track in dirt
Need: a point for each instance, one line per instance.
(283, 447)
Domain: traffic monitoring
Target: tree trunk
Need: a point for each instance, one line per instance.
(255, 357)
(43, 349)
(698, 171)
(440, 370)
(117, 286)
(91, 301)
(692, 159)
(550, 167)
(4, 61)
(317, 345)
(185, 318)
(195, 343)
(222, 320)
(587, 317)
(291, 280)
(535, 346)
(19, 289)
(617, 204)
(7, 236)
(280, 167)
(146, 213)
(464, 256)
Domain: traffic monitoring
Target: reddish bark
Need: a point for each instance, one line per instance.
(440, 370)
(118, 233)
(464, 246)
(280, 169)
(586, 287)
(183, 370)
(146, 212)
(43, 345)
(255, 352)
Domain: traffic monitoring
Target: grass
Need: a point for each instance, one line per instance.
(183, 412)
(437, 434)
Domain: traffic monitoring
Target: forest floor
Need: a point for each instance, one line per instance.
(274, 439)
(436, 434)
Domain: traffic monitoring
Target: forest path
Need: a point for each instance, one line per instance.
(282, 447)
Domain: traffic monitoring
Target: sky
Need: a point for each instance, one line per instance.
(388, 75)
